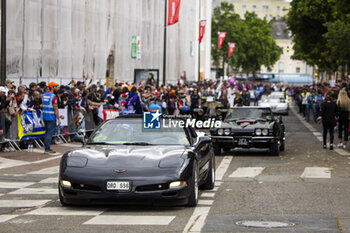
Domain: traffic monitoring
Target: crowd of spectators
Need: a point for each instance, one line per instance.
(90, 96)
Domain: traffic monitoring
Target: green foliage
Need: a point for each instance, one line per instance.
(320, 31)
(255, 45)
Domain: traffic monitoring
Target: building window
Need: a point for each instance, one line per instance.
(278, 8)
(270, 16)
(265, 7)
(278, 17)
(254, 6)
(280, 67)
(298, 67)
(244, 6)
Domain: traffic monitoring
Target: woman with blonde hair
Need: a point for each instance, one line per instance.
(343, 104)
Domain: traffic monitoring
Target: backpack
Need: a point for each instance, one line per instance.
(131, 104)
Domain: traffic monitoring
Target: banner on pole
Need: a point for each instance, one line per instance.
(173, 11)
(231, 48)
(134, 47)
(138, 42)
(203, 23)
(222, 36)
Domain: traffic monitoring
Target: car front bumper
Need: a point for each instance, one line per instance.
(252, 141)
(78, 195)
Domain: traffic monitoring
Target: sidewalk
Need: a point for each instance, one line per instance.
(23, 161)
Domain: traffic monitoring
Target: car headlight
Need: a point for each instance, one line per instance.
(258, 132)
(218, 112)
(227, 131)
(177, 184)
(76, 161)
(265, 132)
(66, 183)
(220, 132)
(201, 112)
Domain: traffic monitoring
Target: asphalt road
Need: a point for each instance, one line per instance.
(305, 189)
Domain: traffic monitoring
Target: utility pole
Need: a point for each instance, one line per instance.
(3, 41)
(199, 44)
(165, 36)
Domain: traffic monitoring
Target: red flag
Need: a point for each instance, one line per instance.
(203, 23)
(222, 36)
(173, 11)
(231, 48)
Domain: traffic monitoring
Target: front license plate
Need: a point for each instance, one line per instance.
(242, 142)
(118, 185)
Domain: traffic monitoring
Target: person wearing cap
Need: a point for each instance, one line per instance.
(50, 114)
(122, 104)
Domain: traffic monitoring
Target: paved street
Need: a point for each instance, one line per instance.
(306, 187)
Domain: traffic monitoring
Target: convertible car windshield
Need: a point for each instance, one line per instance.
(131, 132)
(244, 113)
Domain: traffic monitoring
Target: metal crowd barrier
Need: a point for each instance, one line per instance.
(10, 138)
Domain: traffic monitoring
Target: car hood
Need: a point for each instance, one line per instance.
(127, 157)
(246, 124)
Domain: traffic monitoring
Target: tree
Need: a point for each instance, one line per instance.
(306, 19)
(255, 45)
(223, 20)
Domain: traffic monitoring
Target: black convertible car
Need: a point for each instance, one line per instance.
(124, 163)
(250, 127)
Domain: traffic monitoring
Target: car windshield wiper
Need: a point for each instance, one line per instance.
(138, 144)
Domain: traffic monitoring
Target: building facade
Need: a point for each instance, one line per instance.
(63, 40)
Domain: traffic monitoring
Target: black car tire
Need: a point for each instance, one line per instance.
(193, 199)
(226, 149)
(63, 203)
(210, 181)
(274, 150)
(282, 146)
(217, 149)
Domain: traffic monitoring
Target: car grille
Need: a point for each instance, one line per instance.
(243, 134)
(86, 187)
(152, 187)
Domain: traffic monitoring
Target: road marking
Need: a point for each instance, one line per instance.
(342, 152)
(6, 163)
(221, 170)
(65, 211)
(320, 138)
(316, 172)
(50, 180)
(22, 203)
(70, 145)
(4, 218)
(317, 134)
(213, 190)
(46, 171)
(197, 220)
(205, 202)
(129, 220)
(14, 185)
(208, 195)
(29, 191)
(218, 183)
(247, 172)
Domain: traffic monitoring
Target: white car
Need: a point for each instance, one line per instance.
(278, 105)
(280, 94)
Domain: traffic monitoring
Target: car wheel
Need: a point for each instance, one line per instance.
(274, 150)
(282, 146)
(193, 199)
(63, 203)
(210, 181)
(217, 149)
(226, 149)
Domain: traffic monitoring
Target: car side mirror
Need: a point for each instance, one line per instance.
(202, 141)
(80, 139)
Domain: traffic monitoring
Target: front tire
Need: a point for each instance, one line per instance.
(62, 201)
(193, 199)
(210, 181)
(274, 150)
(217, 149)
